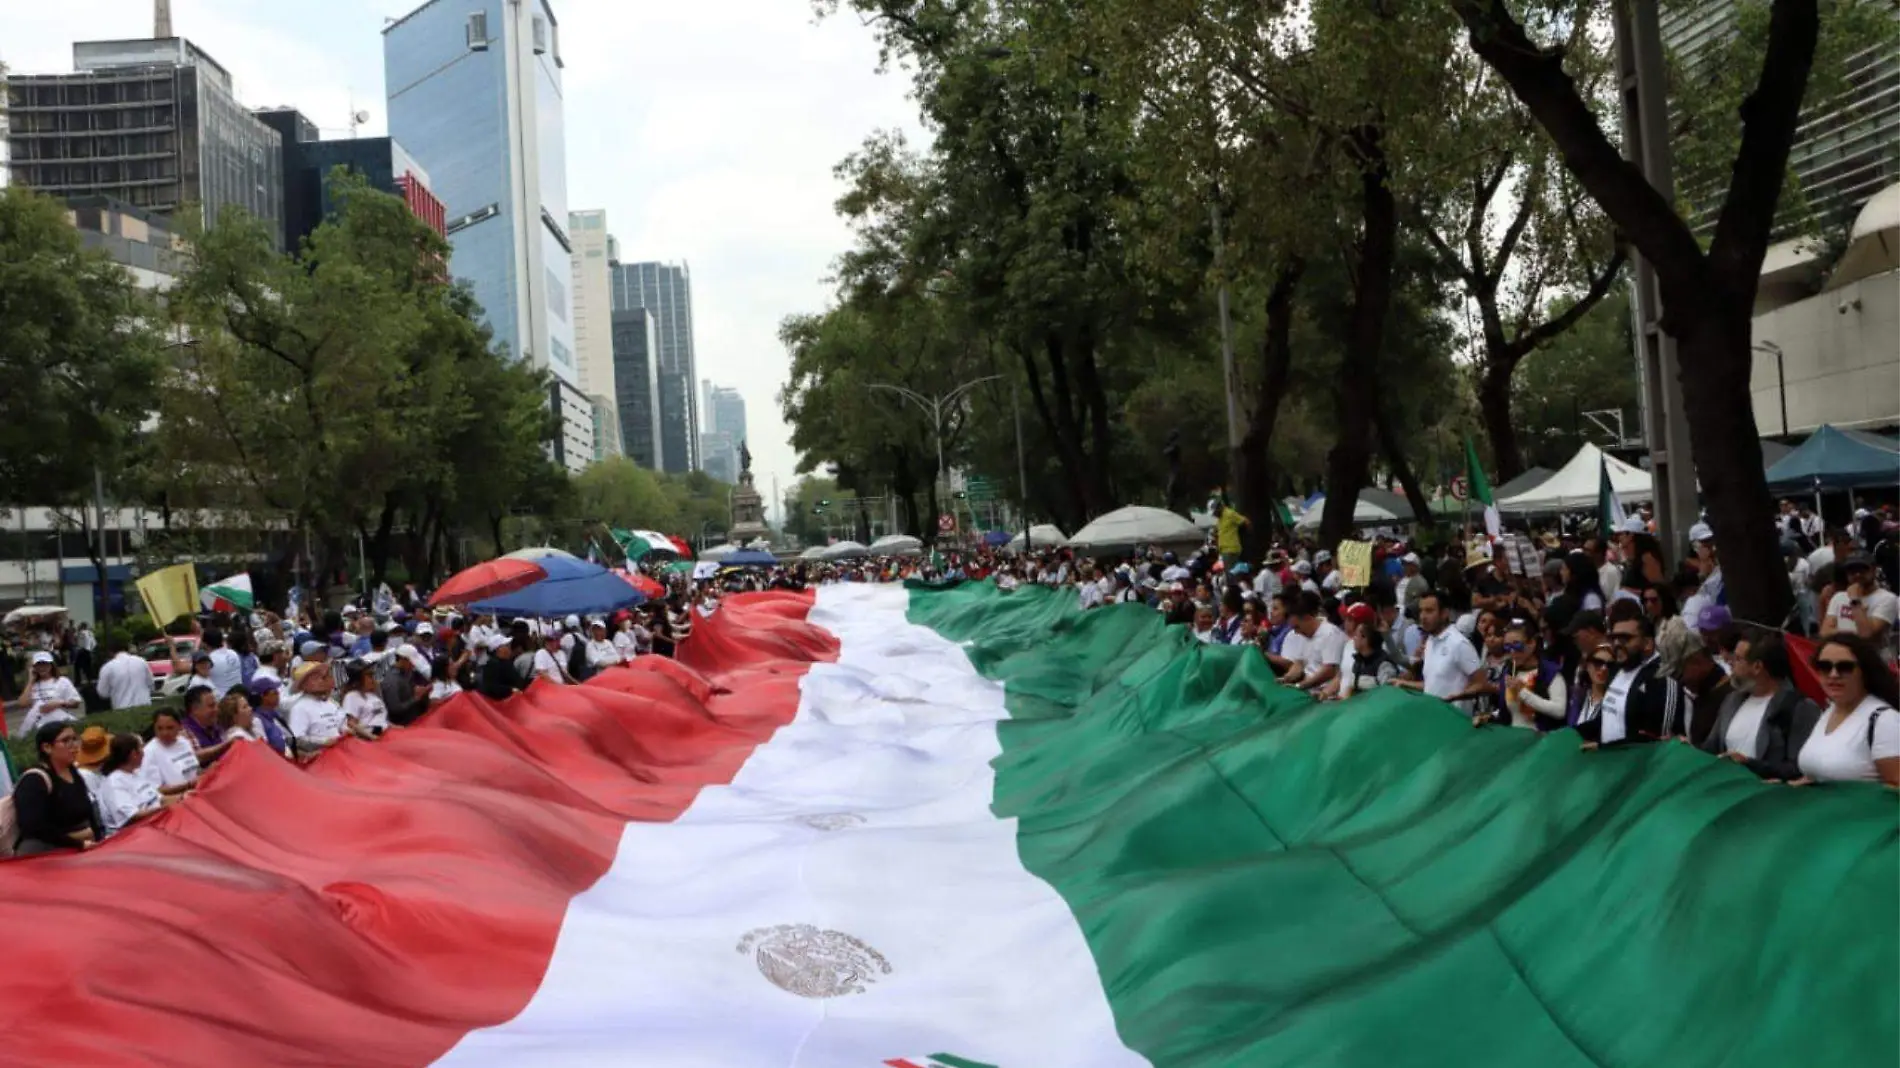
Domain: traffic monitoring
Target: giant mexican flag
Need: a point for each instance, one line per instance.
(964, 828)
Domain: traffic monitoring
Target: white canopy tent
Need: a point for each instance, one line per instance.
(847, 550)
(1042, 536)
(1364, 514)
(1125, 528)
(718, 552)
(1577, 484)
(897, 545)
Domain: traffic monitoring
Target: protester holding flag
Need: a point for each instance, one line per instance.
(1481, 491)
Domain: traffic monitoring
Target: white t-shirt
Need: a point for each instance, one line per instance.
(43, 696)
(122, 795)
(227, 671)
(1449, 662)
(1326, 645)
(1880, 604)
(1332, 581)
(126, 682)
(603, 653)
(367, 709)
(1293, 646)
(545, 666)
(1615, 713)
(1844, 755)
(317, 720)
(1609, 579)
(1091, 595)
(170, 765)
(1745, 728)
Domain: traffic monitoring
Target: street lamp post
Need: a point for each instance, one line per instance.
(934, 407)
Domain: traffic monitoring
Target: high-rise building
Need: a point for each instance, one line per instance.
(666, 290)
(636, 346)
(153, 123)
(594, 255)
(308, 163)
(140, 241)
(475, 97)
(1847, 147)
(607, 442)
(725, 421)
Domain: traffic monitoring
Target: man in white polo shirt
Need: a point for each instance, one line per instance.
(1449, 667)
(1322, 646)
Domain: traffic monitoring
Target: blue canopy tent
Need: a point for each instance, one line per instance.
(749, 558)
(996, 537)
(1834, 459)
(573, 587)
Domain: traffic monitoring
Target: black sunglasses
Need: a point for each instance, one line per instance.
(1842, 668)
(1595, 662)
(1620, 638)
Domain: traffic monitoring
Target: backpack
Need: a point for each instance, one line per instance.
(577, 666)
(10, 815)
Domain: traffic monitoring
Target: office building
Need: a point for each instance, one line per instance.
(475, 97)
(140, 241)
(308, 163)
(153, 123)
(725, 420)
(636, 346)
(666, 290)
(1847, 147)
(594, 256)
(607, 441)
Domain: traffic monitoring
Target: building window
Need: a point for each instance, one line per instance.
(478, 31)
(540, 36)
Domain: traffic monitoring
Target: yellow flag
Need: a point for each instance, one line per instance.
(1355, 563)
(170, 592)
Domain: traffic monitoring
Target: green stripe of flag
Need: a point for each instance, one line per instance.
(1264, 881)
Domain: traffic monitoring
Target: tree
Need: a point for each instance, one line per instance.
(1707, 296)
(1586, 369)
(80, 350)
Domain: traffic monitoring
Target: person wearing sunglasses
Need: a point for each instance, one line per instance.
(1599, 667)
(1532, 694)
(1765, 720)
(1641, 704)
(1858, 737)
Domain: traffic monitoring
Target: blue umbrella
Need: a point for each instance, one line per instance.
(749, 558)
(996, 537)
(573, 587)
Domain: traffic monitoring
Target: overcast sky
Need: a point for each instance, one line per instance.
(706, 128)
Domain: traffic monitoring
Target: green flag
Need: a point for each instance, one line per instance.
(632, 544)
(1481, 490)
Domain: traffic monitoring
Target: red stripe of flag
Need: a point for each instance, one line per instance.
(373, 908)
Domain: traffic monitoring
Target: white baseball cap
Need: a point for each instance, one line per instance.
(1701, 532)
(1409, 558)
(42, 658)
(1632, 524)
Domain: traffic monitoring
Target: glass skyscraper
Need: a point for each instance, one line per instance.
(475, 96)
(637, 386)
(666, 290)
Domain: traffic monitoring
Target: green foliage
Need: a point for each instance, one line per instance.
(347, 388)
(1589, 368)
(127, 720)
(620, 493)
(79, 351)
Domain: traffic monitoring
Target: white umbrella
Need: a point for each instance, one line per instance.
(28, 613)
(718, 552)
(536, 552)
(1125, 528)
(1364, 514)
(847, 550)
(897, 545)
(816, 552)
(1042, 536)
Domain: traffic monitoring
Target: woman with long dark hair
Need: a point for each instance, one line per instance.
(127, 796)
(1581, 588)
(1858, 735)
(51, 800)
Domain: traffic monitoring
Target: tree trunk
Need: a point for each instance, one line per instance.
(379, 543)
(1058, 422)
(1494, 408)
(494, 530)
(1394, 455)
(1371, 301)
(1253, 470)
(1728, 463)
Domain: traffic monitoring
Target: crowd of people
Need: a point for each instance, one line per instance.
(1590, 634)
(1595, 635)
(296, 685)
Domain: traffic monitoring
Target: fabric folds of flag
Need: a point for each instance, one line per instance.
(1481, 491)
(849, 826)
(228, 595)
(1609, 507)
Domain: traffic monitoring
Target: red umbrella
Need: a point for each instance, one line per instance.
(495, 578)
(645, 585)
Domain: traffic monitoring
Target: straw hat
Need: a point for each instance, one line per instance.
(93, 743)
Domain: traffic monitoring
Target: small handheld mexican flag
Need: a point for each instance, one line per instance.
(1481, 490)
(1609, 509)
(228, 595)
